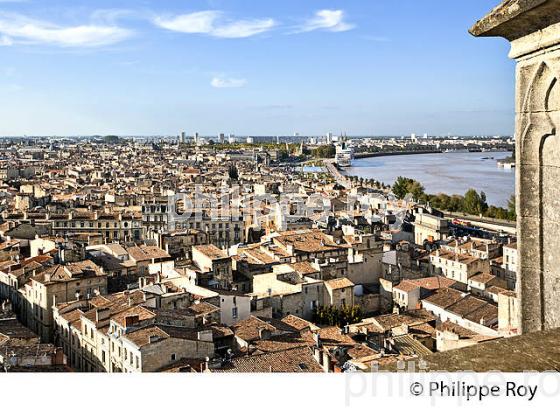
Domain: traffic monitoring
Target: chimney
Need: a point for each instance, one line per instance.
(130, 321)
(264, 334)
(317, 340)
(205, 336)
(102, 314)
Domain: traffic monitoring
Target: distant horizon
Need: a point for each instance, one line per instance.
(190, 136)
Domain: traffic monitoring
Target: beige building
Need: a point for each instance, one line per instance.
(510, 264)
(509, 314)
(479, 248)
(406, 295)
(365, 259)
(430, 228)
(117, 334)
(293, 288)
(214, 264)
(222, 231)
(451, 336)
(151, 260)
(112, 226)
(58, 284)
(458, 267)
(338, 293)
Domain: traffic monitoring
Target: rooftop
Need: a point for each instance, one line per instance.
(538, 352)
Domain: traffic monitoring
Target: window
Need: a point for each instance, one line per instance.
(173, 357)
(234, 312)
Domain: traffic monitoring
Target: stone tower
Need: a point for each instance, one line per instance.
(533, 28)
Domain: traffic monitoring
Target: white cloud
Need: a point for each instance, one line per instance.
(213, 23)
(6, 41)
(221, 82)
(200, 22)
(244, 28)
(329, 20)
(15, 28)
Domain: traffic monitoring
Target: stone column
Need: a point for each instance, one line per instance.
(533, 28)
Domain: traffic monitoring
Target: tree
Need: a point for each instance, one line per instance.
(400, 187)
(112, 139)
(325, 151)
(333, 316)
(484, 203)
(233, 173)
(404, 186)
(474, 203)
(416, 189)
(512, 210)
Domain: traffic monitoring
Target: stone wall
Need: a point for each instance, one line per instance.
(533, 27)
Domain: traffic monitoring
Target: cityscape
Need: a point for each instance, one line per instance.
(277, 188)
(237, 255)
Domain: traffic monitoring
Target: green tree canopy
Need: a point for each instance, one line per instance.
(475, 203)
(404, 186)
(112, 139)
(325, 151)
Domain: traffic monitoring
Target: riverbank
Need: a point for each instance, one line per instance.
(449, 173)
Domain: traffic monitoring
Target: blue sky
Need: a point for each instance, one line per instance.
(375, 67)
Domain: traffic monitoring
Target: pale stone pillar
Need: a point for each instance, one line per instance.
(533, 28)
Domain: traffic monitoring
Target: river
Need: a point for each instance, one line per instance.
(448, 173)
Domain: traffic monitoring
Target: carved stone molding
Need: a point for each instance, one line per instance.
(533, 27)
